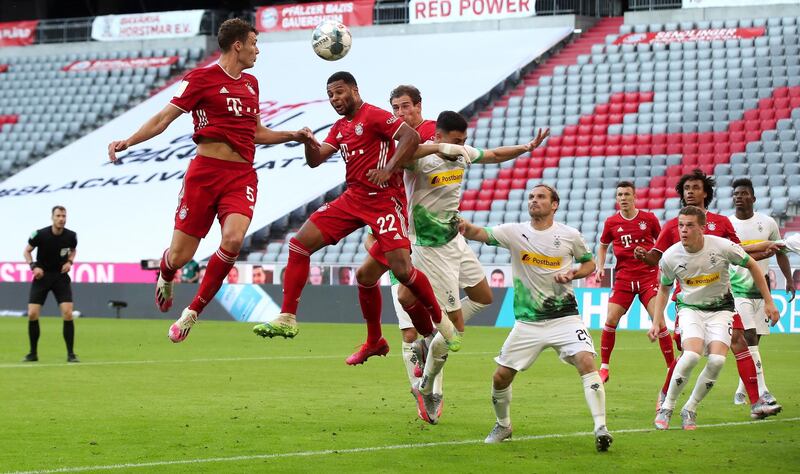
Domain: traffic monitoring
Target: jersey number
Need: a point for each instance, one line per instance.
(583, 336)
(387, 221)
(250, 192)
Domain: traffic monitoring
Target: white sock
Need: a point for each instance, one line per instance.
(740, 388)
(437, 356)
(501, 399)
(408, 361)
(705, 381)
(438, 382)
(683, 369)
(762, 384)
(470, 308)
(595, 397)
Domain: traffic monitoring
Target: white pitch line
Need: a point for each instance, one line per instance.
(394, 447)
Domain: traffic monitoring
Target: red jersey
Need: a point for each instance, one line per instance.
(716, 224)
(223, 108)
(367, 142)
(627, 234)
(426, 130)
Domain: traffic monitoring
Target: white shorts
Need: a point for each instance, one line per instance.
(706, 325)
(752, 313)
(567, 335)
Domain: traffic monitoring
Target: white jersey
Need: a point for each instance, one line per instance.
(792, 244)
(433, 187)
(536, 257)
(703, 276)
(758, 228)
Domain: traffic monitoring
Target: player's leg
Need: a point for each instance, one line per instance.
(501, 401)
(647, 296)
(473, 280)
(693, 335)
(62, 290)
(609, 335)
(717, 351)
(744, 361)
(181, 249)
(477, 298)
(751, 312)
(368, 278)
(35, 302)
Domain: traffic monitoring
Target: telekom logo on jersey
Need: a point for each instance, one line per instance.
(626, 240)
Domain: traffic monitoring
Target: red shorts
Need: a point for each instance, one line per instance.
(385, 215)
(212, 188)
(624, 291)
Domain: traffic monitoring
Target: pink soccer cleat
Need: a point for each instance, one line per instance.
(163, 294)
(381, 348)
(604, 375)
(180, 328)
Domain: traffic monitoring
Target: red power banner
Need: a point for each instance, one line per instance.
(309, 15)
(18, 33)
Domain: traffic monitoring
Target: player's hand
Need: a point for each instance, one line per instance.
(114, 147)
(451, 152)
(790, 289)
(772, 313)
(378, 176)
(65, 268)
(565, 277)
(652, 334)
(37, 273)
(306, 136)
(536, 142)
(640, 253)
(599, 274)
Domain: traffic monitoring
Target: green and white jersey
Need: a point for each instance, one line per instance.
(536, 257)
(703, 275)
(758, 228)
(433, 187)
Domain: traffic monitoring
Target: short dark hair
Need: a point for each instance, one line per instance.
(694, 211)
(409, 90)
(746, 182)
(58, 208)
(626, 184)
(497, 271)
(697, 175)
(553, 193)
(343, 76)
(449, 121)
(233, 30)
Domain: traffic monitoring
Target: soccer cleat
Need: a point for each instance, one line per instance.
(739, 398)
(660, 400)
(163, 294)
(285, 325)
(423, 415)
(688, 420)
(604, 375)
(498, 434)
(439, 404)
(431, 403)
(602, 439)
(449, 332)
(381, 348)
(31, 358)
(662, 419)
(769, 398)
(420, 350)
(180, 328)
(762, 409)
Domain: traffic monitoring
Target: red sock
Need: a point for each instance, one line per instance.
(670, 370)
(747, 372)
(607, 340)
(218, 267)
(420, 287)
(370, 299)
(167, 272)
(420, 318)
(665, 341)
(296, 275)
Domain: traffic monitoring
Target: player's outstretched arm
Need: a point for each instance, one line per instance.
(505, 153)
(154, 126)
(658, 312)
(786, 269)
(407, 142)
(762, 250)
(267, 136)
(584, 269)
(761, 283)
(650, 257)
(315, 156)
(471, 231)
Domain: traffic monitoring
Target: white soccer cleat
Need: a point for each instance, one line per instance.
(602, 439)
(498, 434)
(180, 328)
(739, 398)
(762, 409)
(662, 419)
(163, 294)
(688, 420)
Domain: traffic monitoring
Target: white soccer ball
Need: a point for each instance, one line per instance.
(331, 40)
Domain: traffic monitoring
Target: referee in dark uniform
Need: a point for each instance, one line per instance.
(54, 258)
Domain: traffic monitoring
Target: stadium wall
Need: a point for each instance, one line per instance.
(717, 13)
(332, 304)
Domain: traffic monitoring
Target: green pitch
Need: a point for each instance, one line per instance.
(228, 401)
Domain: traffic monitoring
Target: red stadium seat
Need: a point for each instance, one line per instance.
(601, 109)
(738, 147)
(584, 140)
(659, 139)
(753, 125)
(643, 192)
(501, 194)
(737, 126)
(505, 173)
(703, 160)
(676, 138)
(586, 120)
(794, 91)
(550, 162)
(766, 103)
(598, 150)
(470, 194)
(705, 137)
(616, 109)
(660, 149)
(670, 191)
(674, 149)
(468, 205)
(552, 151)
(656, 192)
(614, 140)
(567, 151)
(582, 151)
(584, 130)
(599, 129)
(617, 98)
(655, 203)
(598, 140)
(483, 205)
(628, 139)
(601, 119)
(555, 141)
(503, 184)
(706, 148)
(570, 130)
(631, 97)
(568, 140)
(630, 108)
(615, 117)
(690, 148)
(485, 194)
(784, 113)
(519, 183)
(766, 114)
(780, 92)
(646, 96)
(690, 160)
(489, 184)
(539, 152)
(673, 171)
(736, 136)
(612, 150)
(641, 203)
(519, 172)
(658, 181)
(642, 149)
(628, 150)
(782, 103)
(751, 115)
(722, 148)
(535, 173)
(644, 139)
(768, 124)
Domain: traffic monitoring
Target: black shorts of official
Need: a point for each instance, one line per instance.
(58, 283)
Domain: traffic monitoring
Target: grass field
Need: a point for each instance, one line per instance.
(228, 401)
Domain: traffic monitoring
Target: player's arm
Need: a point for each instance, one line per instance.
(154, 126)
(761, 283)
(37, 271)
(584, 269)
(315, 156)
(407, 142)
(505, 153)
(650, 257)
(662, 298)
(471, 231)
(70, 259)
(786, 269)
(601, 262)
(267, 136)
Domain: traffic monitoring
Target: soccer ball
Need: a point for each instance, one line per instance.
(331, 40)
